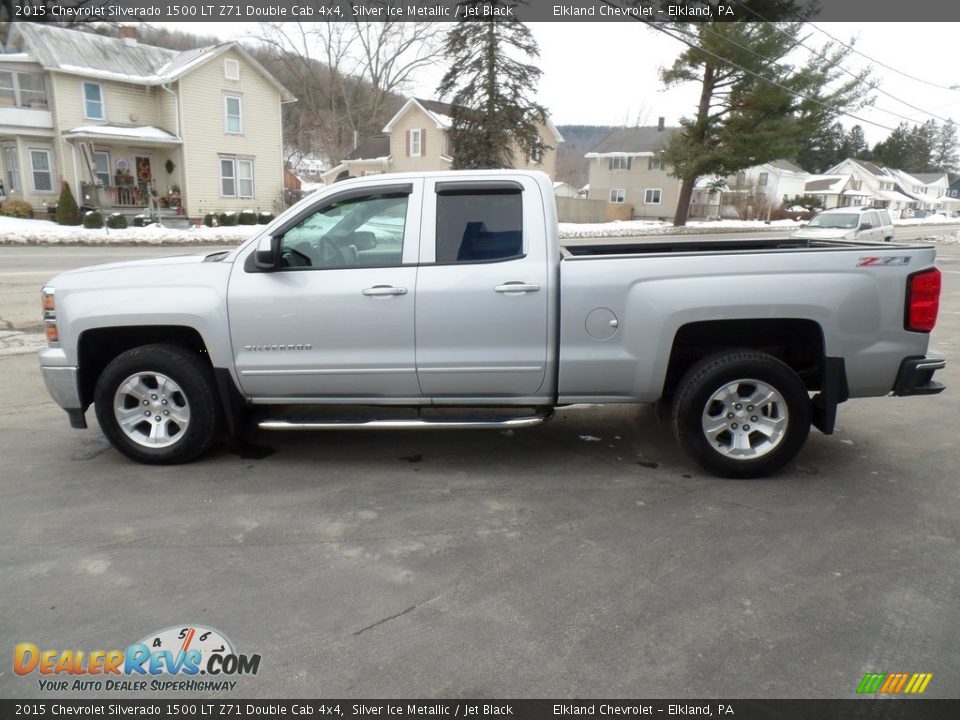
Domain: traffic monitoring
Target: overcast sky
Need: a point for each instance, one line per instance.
(607, 73)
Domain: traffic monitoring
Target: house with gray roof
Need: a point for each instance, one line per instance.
(128, 125)
(625, 171)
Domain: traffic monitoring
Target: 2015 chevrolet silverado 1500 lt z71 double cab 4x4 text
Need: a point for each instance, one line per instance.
(451, 290)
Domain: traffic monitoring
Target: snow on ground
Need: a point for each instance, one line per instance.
(16, 231)
(13, 342)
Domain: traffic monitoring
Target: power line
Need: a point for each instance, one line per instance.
(795, 93)
(820, 55)
(883, 64)
(727, 61)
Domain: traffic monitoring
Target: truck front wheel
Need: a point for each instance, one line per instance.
(741, 414)
(157, 404)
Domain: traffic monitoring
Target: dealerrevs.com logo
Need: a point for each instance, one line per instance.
(188, 658)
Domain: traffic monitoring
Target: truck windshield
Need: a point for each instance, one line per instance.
(834, 220)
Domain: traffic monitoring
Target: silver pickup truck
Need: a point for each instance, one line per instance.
(447, 300)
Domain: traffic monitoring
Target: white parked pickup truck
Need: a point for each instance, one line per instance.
(430, 296)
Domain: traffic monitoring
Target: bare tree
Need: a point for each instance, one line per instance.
(346, 76)
(748, 199)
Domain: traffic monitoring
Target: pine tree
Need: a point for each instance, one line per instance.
(856, 144)
(493, 117)
(756, 102)
(944, 157)
(67, 211)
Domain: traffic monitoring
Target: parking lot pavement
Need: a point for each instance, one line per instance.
(542, 563)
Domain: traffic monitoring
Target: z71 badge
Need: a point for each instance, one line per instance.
(884, 260)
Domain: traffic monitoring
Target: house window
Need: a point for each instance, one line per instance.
(651, 196)
(93, 101)
(42, 169)
(32, 91)
(8, 88)
(11, 161)
(236, 177)
(655, 164)
(231, 69)
(763, 179)
(621, 163)
(228, 177)
(245, 178)
(617, 195)
(416, 143)
(536, 154)
(233, 122)
(101, 168)
(22, 90)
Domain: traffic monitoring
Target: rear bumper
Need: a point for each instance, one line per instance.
(64, 387)
(916, 376)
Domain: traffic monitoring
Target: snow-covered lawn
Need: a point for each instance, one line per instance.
(16, 231)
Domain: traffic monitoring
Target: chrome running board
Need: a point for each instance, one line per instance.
(411, 424)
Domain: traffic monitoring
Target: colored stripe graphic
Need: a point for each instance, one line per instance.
(894, 683)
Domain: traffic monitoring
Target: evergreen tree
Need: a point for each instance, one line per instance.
(856, 144)
(895, 151)
(944, 157)
(493, 117)
(824, 151)
(757, 103)
(67, 211)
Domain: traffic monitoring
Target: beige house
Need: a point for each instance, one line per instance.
(626, 172)
(416, 139)
(124, 122)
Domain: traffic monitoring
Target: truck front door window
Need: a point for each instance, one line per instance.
(359, 232)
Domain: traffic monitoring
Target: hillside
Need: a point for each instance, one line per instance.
(578, 140)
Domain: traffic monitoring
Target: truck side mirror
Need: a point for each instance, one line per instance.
(866, 226)
(267, 254)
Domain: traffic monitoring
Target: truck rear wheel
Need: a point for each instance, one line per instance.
(741, 414)
(157, 404)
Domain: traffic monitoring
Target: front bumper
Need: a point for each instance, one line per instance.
(916, 376)
(63, 384)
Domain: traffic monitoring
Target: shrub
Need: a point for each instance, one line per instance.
(17, 209)
(92, 220)
(67, 211)
(248, 217)
(117, 221)
(265, 218)
(228, 219)
(211, 220)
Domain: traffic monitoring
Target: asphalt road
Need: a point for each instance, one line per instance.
(586, 557)
(24, 269)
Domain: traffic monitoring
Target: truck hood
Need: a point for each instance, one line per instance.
(821, 233)
(160, 262)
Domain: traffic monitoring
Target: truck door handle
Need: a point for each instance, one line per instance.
(384, 290)
(516, 287)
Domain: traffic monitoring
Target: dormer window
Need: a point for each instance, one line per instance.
(93, 101)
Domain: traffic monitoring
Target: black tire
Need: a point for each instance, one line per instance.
(731, 372)
(194, 404)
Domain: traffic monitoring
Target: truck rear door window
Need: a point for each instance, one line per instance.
(479, 225)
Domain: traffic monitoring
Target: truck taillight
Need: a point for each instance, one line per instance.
(923, 300)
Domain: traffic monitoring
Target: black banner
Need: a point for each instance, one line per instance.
(864, 11)
(865, 709)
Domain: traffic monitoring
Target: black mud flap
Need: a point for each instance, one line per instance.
(833, 391)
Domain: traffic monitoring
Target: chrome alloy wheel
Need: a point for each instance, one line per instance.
(151, 409)
(745, 419)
